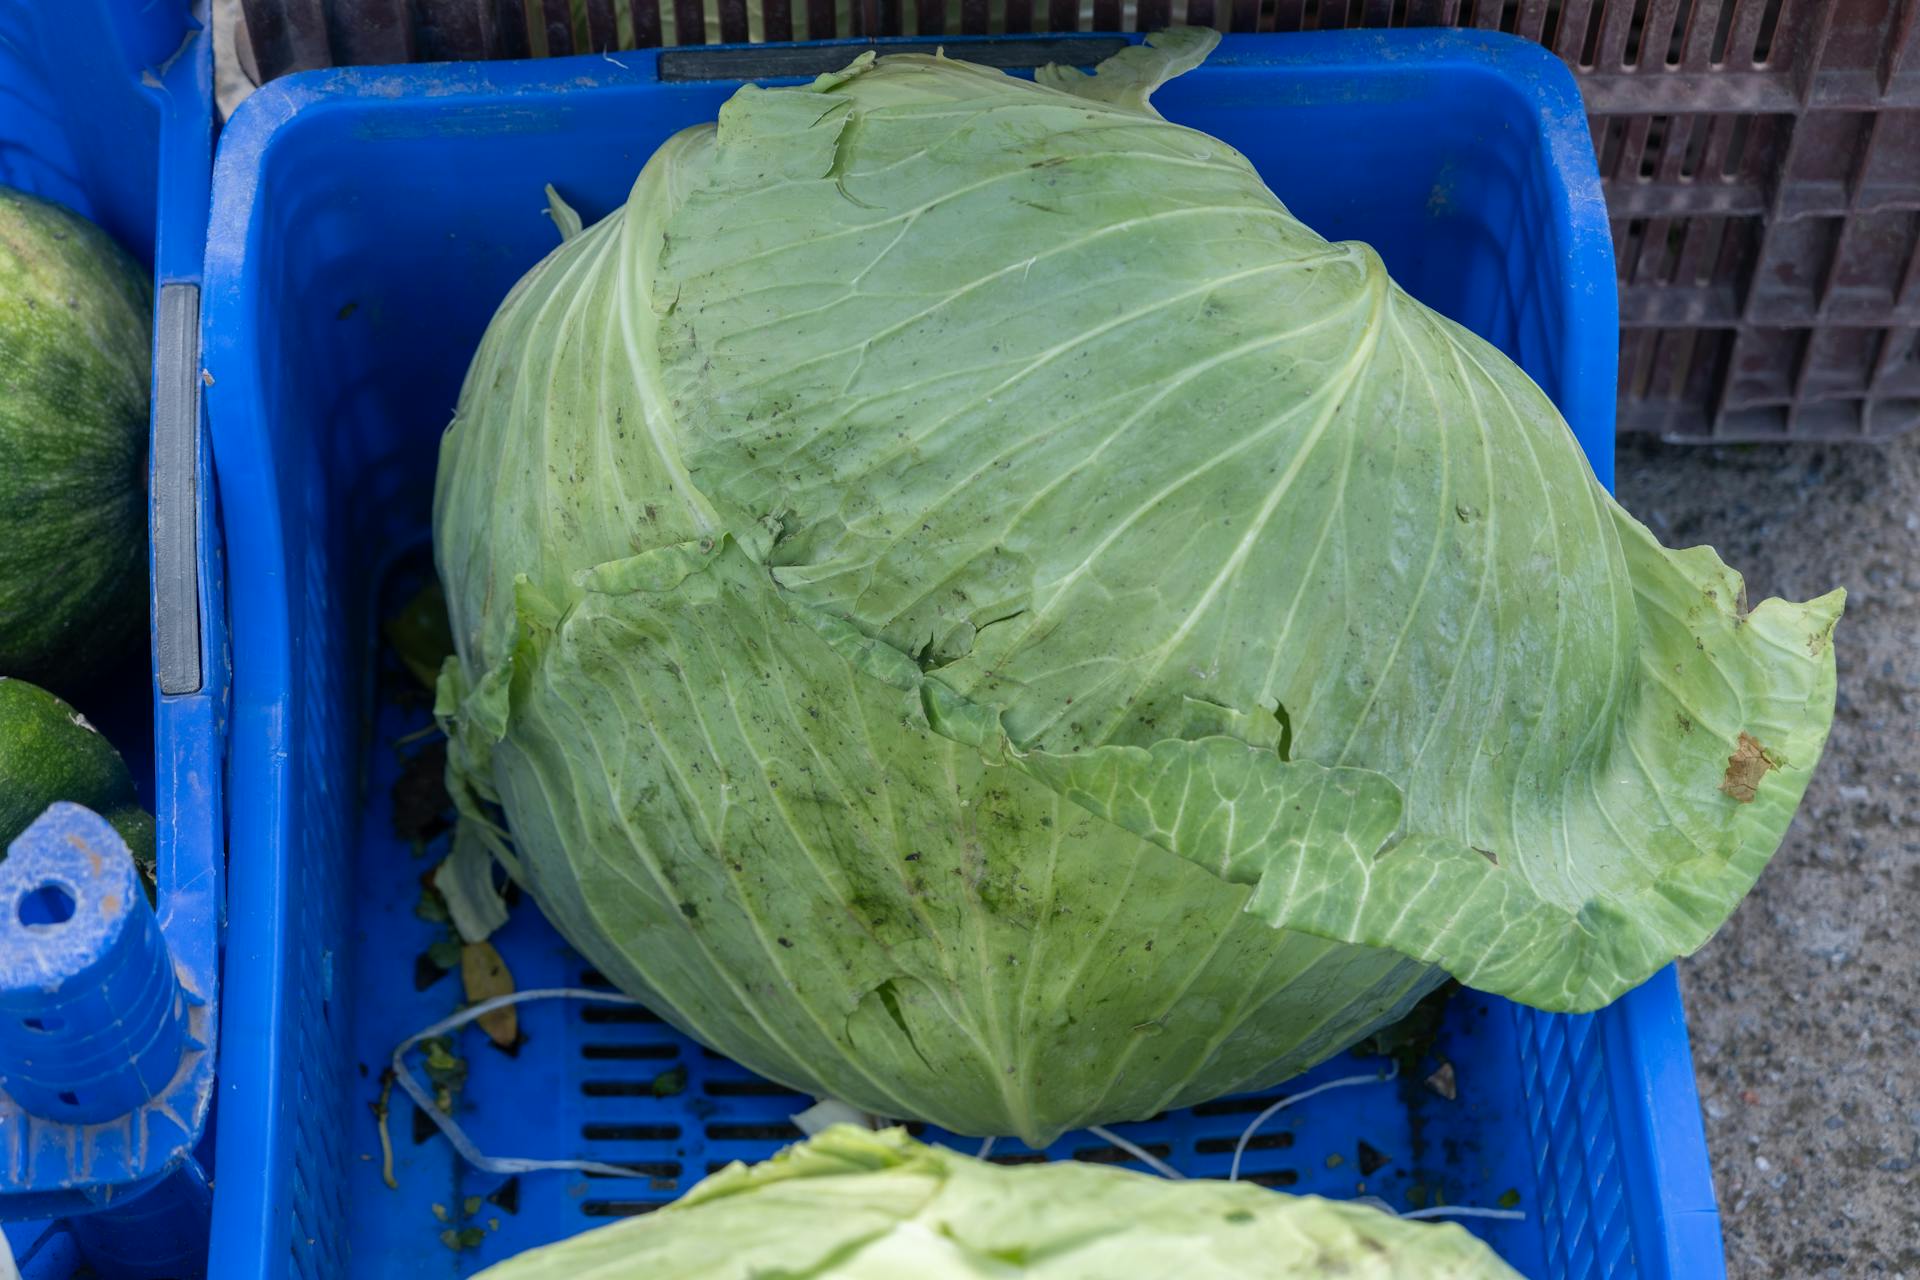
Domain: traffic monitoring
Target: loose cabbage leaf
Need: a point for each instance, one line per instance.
(852, 1204)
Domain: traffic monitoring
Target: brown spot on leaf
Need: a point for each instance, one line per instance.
(1745, 767)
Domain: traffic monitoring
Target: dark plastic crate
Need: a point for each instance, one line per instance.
(1761, 158)
(106, 107)
(365, 226)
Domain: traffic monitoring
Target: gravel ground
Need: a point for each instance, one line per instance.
(1805, 1009)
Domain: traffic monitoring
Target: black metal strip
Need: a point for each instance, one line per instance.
(175, 488)
(769, 63)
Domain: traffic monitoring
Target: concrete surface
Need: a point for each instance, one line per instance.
(1805, 1009)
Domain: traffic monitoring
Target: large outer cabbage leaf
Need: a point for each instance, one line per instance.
(972, 609)
(851, 1204)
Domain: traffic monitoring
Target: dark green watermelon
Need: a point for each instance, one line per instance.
(76, 338)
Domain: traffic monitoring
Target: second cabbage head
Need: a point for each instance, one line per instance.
(971, 609)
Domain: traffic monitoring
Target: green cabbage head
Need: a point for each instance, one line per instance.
(855, 1205)
(973, 610)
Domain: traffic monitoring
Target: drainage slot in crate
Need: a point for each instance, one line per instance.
(762, 1132)
(1272, 1178)
(1259, 1142)
(630, 1132)
(1237, 1106)
(1019, 1157)
(645, 1168)
(628, 1052)
(616, 1014)
(621, 1088)
(619, 1208)
(1114, 1155)
(747, 1089)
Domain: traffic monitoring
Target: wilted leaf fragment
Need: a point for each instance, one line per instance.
(484, 975)
(419, 634)
(465, 883)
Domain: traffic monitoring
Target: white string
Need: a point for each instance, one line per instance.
(986, 1149)
(1344, 1082)
(447, 1125)
(1465, 1211)
(1138, 1152)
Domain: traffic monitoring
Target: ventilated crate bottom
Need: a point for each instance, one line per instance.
(617, 1085)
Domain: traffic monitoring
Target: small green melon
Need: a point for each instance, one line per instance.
(49, 752)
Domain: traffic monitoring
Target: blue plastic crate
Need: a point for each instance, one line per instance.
(106, 107)
(365, 225)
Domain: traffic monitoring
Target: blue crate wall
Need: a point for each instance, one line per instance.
(1569, 1116)
(327, 743)
(106, 107)
(366, 223)
(103, 162)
